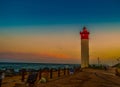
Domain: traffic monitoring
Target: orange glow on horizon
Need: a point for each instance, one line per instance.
(64, 46)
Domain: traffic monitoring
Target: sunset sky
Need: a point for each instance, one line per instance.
(47, 31)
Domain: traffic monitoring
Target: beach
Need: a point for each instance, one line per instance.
(85, 78)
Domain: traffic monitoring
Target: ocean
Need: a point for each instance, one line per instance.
(35, 66)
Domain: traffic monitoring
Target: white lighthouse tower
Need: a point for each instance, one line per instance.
(84, 47)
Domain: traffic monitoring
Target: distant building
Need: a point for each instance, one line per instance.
(84, 47)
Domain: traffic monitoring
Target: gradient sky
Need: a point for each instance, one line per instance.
(48, 30)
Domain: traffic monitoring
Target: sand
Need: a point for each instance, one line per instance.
(86, 78)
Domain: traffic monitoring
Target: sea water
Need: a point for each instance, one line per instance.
(36, 66)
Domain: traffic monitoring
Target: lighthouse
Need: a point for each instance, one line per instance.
(84, 47)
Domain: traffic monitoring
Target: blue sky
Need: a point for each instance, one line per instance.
(47, 12)
(33, 30)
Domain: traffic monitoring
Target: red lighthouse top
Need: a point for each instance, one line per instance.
(84, 33)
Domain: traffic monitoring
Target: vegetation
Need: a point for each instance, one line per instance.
(117, 65)
(96, 66)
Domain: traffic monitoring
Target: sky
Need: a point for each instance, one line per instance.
(47, 31)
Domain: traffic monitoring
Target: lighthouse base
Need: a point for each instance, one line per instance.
(84, 53)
